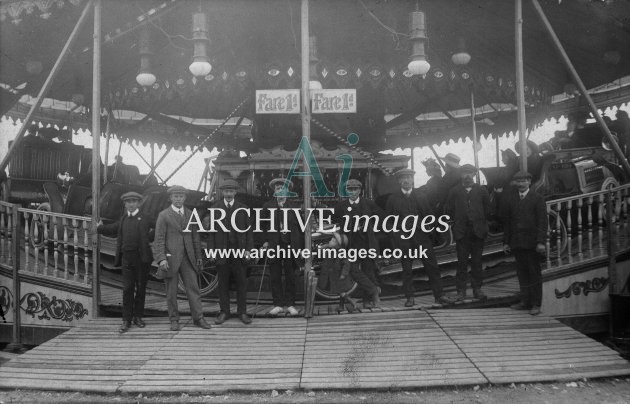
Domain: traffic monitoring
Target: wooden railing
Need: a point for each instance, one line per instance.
(582, 226)
(55, 245)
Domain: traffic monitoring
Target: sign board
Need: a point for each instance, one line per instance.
(334, 101)
(278, 101)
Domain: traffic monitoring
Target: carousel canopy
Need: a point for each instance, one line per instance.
(360, 44)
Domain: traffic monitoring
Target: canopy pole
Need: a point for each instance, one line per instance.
(46, 86)
(96, 156)
(144, 160)
(157, 164)
(498, 149)
(474, 134)
(580, 85)
(520, 81)
(439, 160)
(306, 133)
(107, 129)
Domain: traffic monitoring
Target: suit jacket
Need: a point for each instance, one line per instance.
(400, 205)
(359, 239)
(145, 249)
(219, 239)
(525, 221)
(172, 243)
(462, 206)
(296, 236)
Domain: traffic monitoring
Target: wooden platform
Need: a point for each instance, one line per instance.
(413, 348)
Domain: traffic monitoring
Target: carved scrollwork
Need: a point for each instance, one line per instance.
(6, 299)
(576, 288)
(57, 309)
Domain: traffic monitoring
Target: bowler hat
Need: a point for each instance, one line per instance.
(468, 168)
(522, 175)
(451, 160)
(352, 183)
(130, 195)
(177, 189)
(405, 171)
(229, 184)
(280, 181)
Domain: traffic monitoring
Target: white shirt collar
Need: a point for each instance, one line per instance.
(355, 201)
(228, 204)
(135, 212)
(523, 194)
(406, 192)
(177, 210)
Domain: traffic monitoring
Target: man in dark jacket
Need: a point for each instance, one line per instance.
(286, 236)
(525, 223)
(405, 203)
(468, 205)
(133, 253)
(234, 239)
(361, 237)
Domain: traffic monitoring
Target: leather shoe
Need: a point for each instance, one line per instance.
(445, 300)
(245, 318)
(519, 306)
(221, 318)
(202, 323)
(174, 325)
(410, 302)
(461, 296)
(139, 322)
(124, 327)
(535, 310)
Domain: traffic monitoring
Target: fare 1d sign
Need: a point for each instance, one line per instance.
(327, 101)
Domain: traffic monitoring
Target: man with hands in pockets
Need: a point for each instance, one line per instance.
(178, 253)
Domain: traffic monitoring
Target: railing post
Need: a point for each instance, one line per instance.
(612, 258)
(16, 342)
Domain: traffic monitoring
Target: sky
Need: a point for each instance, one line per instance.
(190, 174)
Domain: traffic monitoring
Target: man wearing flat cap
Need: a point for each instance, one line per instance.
(451, 178)
(233, 239)
(133, 253)
(178, 252)
(361, 236)
(524, 218)
(286, 236)
(468, 205)
(406, 202)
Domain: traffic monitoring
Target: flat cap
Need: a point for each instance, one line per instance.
(352, 183)
(177, 189)
(229, 184)
(452, 160)
(522, 175)
(279, 181)
(468, 168)
(405, 171)
(130, 195)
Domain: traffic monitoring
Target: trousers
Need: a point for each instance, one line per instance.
(232, 268)
(469, 246)
(430, 267)
(529, 275)
(135, 274)
(187, 273)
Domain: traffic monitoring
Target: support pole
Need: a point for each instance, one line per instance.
(96, 156)
(107, 131)
(306, 132)
(16, 340)
(580, 85)
(520, 81)
(46, 86)
(144, 160)
(498, 151)
(473, 113)
(157, 164)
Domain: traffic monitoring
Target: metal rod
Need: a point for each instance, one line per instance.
(143, 159)
(306, 132)
(437, 157)
(46, 86)
(520, 81)
(578, 81)
(96, 156)
(157, 164)
(473, 113)
(498, 151)
(107, 130)
(17, 319)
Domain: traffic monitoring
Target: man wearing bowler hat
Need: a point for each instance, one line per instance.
(525, 231)
(286, 236)
(363, 270)
(234, 239)
(178, 252)
(133, 253)
(402, 203)
(468, 205)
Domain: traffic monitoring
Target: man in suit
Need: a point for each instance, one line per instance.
(468, 205)
(525, 231)
(286, 236)
(404, 203)
(133, 253)
(178, 252)
(364, 270)
(232, 239)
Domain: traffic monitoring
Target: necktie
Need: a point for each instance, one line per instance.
(181, 212)
(522, 196)
(129, 214)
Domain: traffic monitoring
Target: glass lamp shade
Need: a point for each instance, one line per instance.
(418, 67)
(200, 69)
(145, 79)
(314, 85)
(460, 58)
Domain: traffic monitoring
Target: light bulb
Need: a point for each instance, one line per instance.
(200, 69)
(146, 79)
(418, 67)
(460, 58)
(314, 85)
